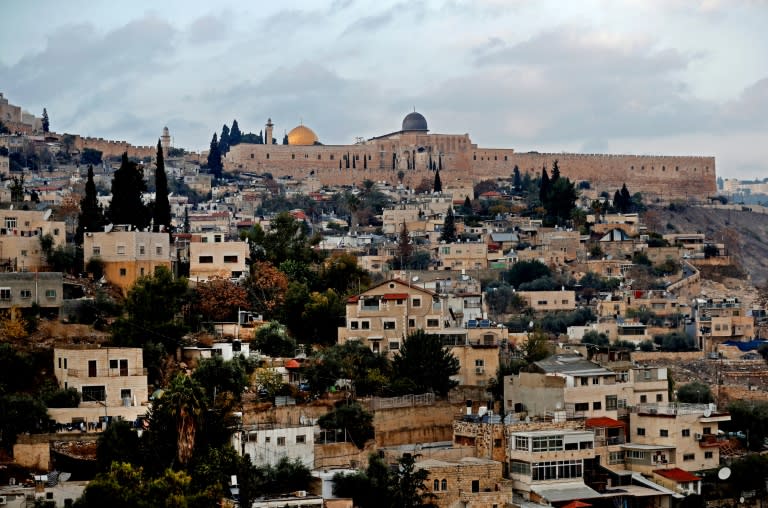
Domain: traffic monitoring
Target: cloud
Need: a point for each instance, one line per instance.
(209, 28)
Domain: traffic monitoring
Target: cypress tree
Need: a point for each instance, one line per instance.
(162, 208)
(440, 161)
(128, 185)
(353, 162)
(626, 199)
(186, 220)
(235, 136)
(285, 139)
(448, 234)
(516, 182)
(91, 217)
(46, 123)
(555, 171)
(544, 188)
(214, 157)
(224, 140)
(467, 206)
(438, 185)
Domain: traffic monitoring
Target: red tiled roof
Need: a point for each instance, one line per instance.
(353, 299)
(676, 474)
(292, 364)
(395, 296)
(603, 422)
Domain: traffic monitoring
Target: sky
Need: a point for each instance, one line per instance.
(649, 77)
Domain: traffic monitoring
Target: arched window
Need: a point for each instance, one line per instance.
(444, 485)
(437, 485)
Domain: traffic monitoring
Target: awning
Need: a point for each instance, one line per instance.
(565, 491)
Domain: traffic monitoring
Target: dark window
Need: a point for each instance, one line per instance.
(113, 364)
(94, 393)
(91, 368)
(230, 259)
(205, 259)
(475, 485)
(123, 367)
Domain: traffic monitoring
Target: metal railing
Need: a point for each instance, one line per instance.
(106, 372)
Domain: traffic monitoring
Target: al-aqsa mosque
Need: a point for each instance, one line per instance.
(414, 153)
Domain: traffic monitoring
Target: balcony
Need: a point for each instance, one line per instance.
(85, 373)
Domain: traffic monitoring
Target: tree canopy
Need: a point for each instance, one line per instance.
(91, 217)
(128, 185)
(161, 212)
(423, 360)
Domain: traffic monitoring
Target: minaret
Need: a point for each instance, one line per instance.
(165, 141)
(268, 132)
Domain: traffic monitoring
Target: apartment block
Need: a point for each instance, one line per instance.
(217, 259)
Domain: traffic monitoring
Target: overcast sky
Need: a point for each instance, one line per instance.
(676, 77)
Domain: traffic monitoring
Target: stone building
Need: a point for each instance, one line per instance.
(412, 154)
(268, 443)
(20, 238)
(112, 382)
(217, 259)
(127, 254)
(25, 289)
(469, 482)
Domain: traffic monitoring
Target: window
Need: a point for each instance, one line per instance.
(597, 405)
(389, 325)
(444, 484)
(583, 381)
(96, 250)
(707, 430)
(121, 250)
(94, 393)
(548, 443)
(552, 470)
(267, 439)
(123, 367)
(113, 364)
(281, 441)
(365, 325)
(123, 272)
(301, 439)
(475, 485)
(416, 302)
(50, 293)
(611, 402)
(92, 368)
(142, 250)
(616, 458)
(353, 325)
(687, 457)
(708, 455)
(230, 259)
(519, 467)
(643, 399)
(479, 363)
(595, 380)
(159, 250)
(581, 406)
(205, 259)
(65, 363)
(394, 346)
(125, 393)
(411, 323)
(10, 222)
(521, 443)
(659, 397)
(640, 431)
(663, 433)
(5, 293)
(433, 323)
(686, 433)
(23, 252)
(436, 485)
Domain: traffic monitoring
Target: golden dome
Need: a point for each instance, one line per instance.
(302, 135)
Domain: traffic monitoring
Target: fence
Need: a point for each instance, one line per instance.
(424, 399)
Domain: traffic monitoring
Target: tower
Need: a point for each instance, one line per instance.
(165, 141)
(268, 132)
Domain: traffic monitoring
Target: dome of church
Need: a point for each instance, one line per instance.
(302, 135)
(415, 122)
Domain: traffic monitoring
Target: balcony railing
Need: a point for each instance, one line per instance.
(106, 372)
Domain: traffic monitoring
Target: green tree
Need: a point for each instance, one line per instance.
(272, 340)
(751, 418)
(17, 189)
(448, 233)
(235, 135)
(119, 443)
(162, 209)
(214, 157)
(323, 313)
(91, 217)
(426, 362)
(404, 247)
(438, 185)
(695, 392)
(352, 419)
(152, 306)
(466, 208)
(128, 185)
(20, 413)
(536, 347)
(595, 338)
(185, 404)
(368, 489)
(216, 375)
(46, 122)
(224, 140)
(526, 271)
(517, 182)
(409, 489)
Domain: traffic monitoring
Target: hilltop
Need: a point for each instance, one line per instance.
(744, 233)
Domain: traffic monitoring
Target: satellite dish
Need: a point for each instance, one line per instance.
(741, 499)
(724, 473)
(707, 412)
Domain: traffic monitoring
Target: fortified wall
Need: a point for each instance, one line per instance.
(660, 178)
(110, 148)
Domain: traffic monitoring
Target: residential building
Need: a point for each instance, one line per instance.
(719, 321)
(268, 443)
(20, 239)
(127, 254)
(25, 289)
(112, 382)
(470, 482)
(544, 301)
(226, 259)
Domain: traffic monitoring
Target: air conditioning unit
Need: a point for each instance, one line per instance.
(479, 370)
(698, 436)
(3, 500)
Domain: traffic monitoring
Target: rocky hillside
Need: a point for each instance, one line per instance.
(744, 233)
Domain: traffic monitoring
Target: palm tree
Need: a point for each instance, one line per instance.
(185, 403)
